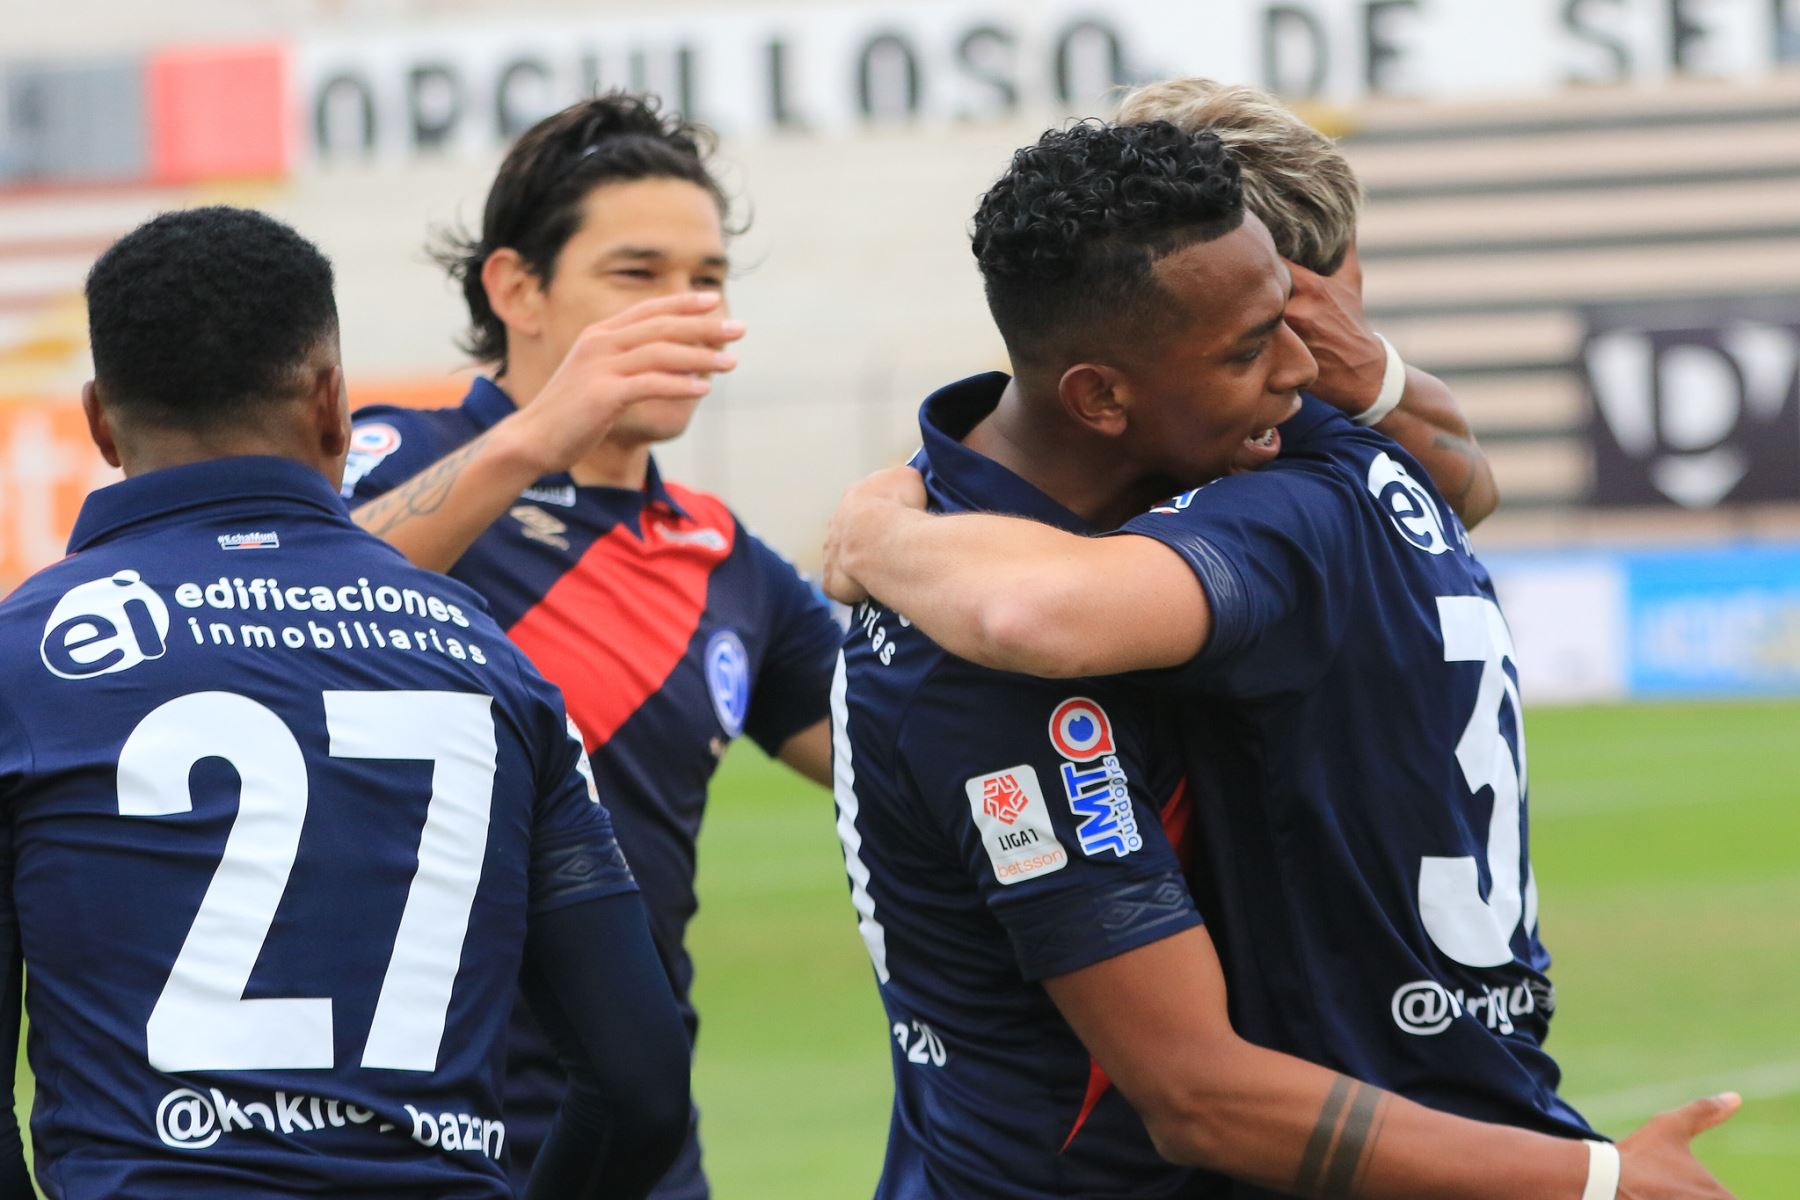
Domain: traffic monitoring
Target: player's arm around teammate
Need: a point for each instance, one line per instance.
(1155, 1018)
(662, 348)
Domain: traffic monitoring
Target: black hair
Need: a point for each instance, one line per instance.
(535, 204)
(1068, 239)
(200, 317)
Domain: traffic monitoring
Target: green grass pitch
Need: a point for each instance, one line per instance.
(1667, 845)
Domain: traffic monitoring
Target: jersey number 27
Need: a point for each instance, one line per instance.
(201, 1021)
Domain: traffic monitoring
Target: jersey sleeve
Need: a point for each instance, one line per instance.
(793, 688)
(1047, 803)
(15, 759)
(574, 853)
(389, 445)
(1272, 552)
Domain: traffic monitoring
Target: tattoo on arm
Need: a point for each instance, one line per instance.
(422, 494)
(1348, 1127)
(1465, 449)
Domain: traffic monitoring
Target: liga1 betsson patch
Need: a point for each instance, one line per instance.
(1013, 819)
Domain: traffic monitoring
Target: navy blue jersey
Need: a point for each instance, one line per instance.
(279, 805)
(998, 830)
(1356, 758)
(671, 630)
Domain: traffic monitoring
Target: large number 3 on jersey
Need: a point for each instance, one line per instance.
(1473, 931)
(201, 1020)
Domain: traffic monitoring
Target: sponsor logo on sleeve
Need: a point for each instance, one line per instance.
(370, 444)
(1178, 504)
(1094, 782)
(1408, 505)
(105, 626)
(1013, 819)
(728, 679)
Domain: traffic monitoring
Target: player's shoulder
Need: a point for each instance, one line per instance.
(393, 442)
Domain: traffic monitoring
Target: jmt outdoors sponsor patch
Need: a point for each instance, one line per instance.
(1098, 792)
(1013, 819)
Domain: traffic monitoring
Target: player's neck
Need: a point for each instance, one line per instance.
(1062, 462)
(613, 464)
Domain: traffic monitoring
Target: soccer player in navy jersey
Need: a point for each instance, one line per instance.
(601, 265)
(1013, 876)
(283, 813)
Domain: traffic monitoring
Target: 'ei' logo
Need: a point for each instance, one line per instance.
(1408, 505)
(104, 626)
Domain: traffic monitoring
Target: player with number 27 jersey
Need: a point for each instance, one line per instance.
(1356, 754)
(278, 807)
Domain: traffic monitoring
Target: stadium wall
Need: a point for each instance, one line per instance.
(1603, 261)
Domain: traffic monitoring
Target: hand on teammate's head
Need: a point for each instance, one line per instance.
(861, 510)
(1327, 312)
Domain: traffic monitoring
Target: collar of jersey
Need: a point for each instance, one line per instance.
(1306, 424)
(487, 403)
(270, 483)
(960, 479)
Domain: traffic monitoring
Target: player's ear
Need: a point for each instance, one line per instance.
(98, 423)
(1096, 397)
(513, 292)
(329, 403)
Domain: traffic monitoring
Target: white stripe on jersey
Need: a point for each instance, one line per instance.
(843, 786)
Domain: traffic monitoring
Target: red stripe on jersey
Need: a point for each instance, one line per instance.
(615, 625)
(1175, 814)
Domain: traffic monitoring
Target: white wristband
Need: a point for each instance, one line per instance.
(1603, 1172)
(1393, 384)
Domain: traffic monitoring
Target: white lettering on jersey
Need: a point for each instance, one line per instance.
(1408, 505)
(1013, 819)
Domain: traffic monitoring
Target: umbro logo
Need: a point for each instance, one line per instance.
(540, 526)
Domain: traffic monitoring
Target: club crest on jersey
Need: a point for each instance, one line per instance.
(104, 626)
(1013, 820)
(1099, 794)
(727, 667)
(1079, 729)
(1408, 505)
(369, 444)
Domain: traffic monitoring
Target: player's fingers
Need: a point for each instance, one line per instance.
(677, 303)
(1698, 1116)
(673, 357)
(663, 385)
(706, 329)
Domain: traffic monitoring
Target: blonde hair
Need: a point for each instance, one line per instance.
(1295, 178)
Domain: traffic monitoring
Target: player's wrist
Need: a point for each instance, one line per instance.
(522, 445)
(1393, 387)
(1603, 1172)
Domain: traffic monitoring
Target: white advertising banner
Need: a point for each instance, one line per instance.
(751, 70)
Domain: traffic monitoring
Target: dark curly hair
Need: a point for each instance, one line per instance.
(534, 205)
(1069, 238)
(198, 318)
